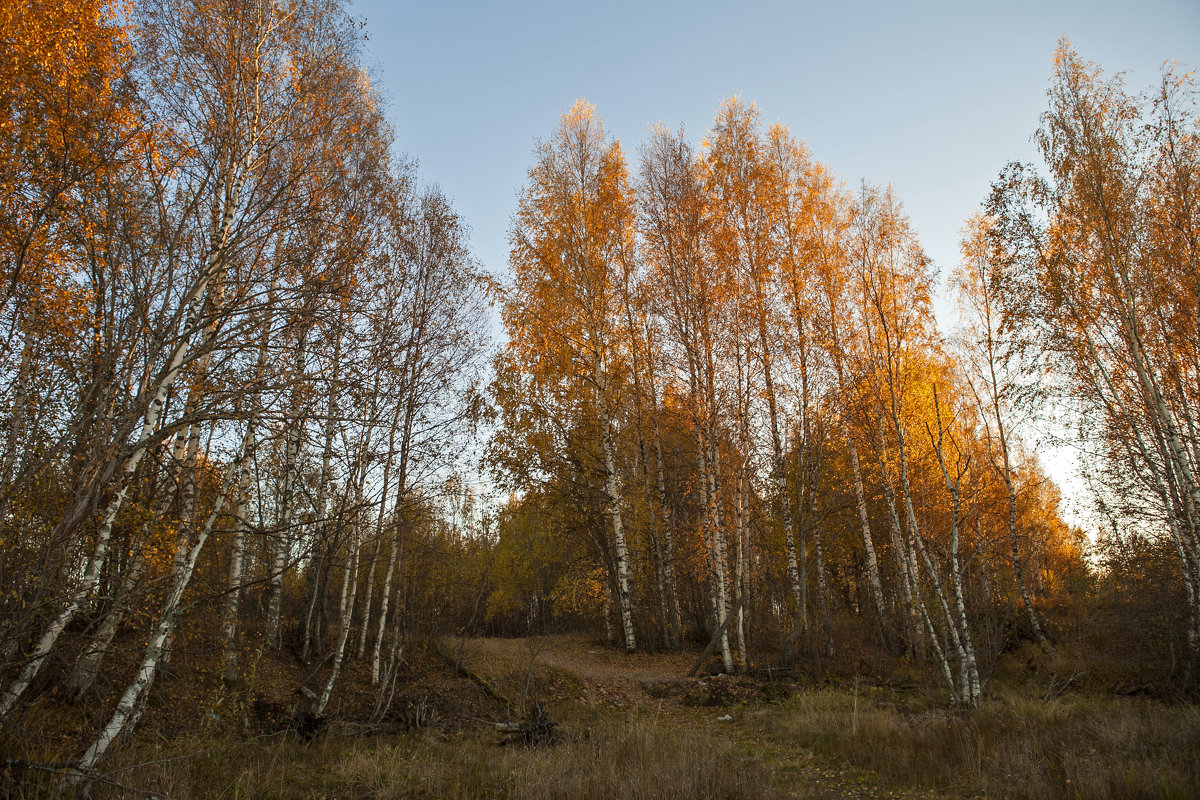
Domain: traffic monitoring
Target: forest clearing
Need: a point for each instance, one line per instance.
(699, 489)
(634, 725)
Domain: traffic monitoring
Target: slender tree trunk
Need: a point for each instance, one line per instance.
(368, 596)
(385, 595)
(345, 611)
(739, 569)
(716, 537)
(407, 406)
(931, 633)
(860, 500)
(969, 688)
(237, 557)
(906, 568)
(778, 470)
(915, 531)
(621, 550)
(237, 552)
(823, 593)
(674, 623)
(1006, 476)
(710, 576)
(280, 541)
(321, 502)
(87, 668)
(397, 551)
(655, 529)
(364, 632)
(234, 597)
(802, 573)
(391, 568)
(920, 610)
(163, 630)
(150, 422)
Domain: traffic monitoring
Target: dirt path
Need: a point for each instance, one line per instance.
(576, 668)
(605, 674)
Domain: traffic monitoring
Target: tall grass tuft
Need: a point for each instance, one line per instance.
(628, 757)
(1107, 748)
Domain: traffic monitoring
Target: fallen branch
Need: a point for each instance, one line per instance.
(539, 730)
(72, 774)
(1057, 687)
(467, 673)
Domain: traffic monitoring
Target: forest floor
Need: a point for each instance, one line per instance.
(465, 723)
(724, 709)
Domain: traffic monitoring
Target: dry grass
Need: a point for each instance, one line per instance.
(824, 742)
(604, 754)
(630, 756)
(1013, 747)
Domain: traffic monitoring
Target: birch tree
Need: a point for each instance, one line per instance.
(994, 360)
(229, 90)
(572, 241)
(690, 295)
(1099, 256)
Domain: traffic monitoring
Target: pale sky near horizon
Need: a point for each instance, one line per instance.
(932, 97)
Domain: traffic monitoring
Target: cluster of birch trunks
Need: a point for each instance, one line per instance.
(239, 345)
(724, 374)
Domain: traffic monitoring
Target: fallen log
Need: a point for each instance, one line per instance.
(469, 674)
(540, 729)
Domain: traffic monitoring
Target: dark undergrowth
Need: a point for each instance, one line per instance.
(1038, 735)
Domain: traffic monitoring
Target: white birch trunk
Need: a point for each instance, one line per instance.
(779, 473)
(86, 669)
(739, 571)
(234, 586)
(163, 630)
(346, 610)
(123, 478)
(674, 623)
(719, 558)
(969, 688)
(860, 500)
(389, 577)
(905, 567)
(280, 543)
(315, 596)
(621, 550)
(364, 632)
(381, 624)
(1006, 476)
(823, 593)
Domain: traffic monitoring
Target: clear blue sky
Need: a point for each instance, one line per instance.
(933, 97)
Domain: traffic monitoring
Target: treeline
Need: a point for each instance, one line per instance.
(239, 345)
(727, 411)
